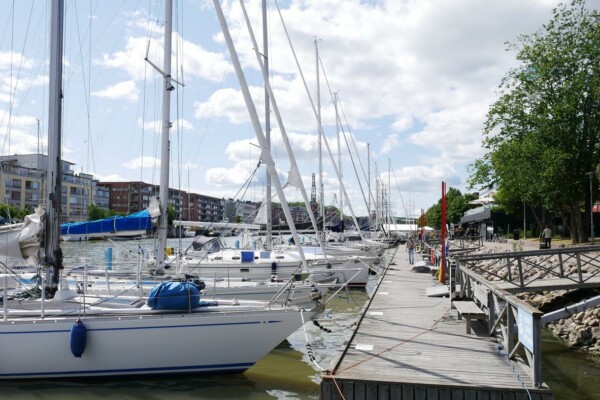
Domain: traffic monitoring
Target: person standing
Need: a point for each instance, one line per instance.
(410, 247)
(547, 235)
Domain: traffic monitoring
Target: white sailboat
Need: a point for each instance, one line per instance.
(70, 336)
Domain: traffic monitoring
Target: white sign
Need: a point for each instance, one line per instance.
(525, 324)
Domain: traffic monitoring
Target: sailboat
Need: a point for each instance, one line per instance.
(74, 336)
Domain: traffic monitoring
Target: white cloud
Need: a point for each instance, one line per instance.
(229, 104)
(129, 60)
(390, 143)
(142, 162)
(454, 133)
(111, 178)
(156, 126)
(233, 177)
(402, 124)
(125, 90)
(195, 60)
(17, 59)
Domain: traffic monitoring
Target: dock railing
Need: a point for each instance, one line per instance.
(515, 323)
(535, 270)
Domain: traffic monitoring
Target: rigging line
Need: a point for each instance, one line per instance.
(106, 121)
(179, 108)
(353, 142)
(16, 82)
(324, 137)
(10, 104)
(213, 103)
(86, 88)
(399, 192)
(350, 152)
(7, 24)
(26, 92)
(90, 137)
(143, 127)
(347, 145)
(157, 110)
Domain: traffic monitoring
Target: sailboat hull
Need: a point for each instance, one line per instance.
(148, 343)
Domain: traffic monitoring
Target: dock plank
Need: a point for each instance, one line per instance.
(415, 345)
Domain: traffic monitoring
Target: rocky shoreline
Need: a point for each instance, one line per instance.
(580, 331)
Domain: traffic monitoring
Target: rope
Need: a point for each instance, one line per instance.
(393, 347)
(517, 375)
(311, 354)
(331, 374)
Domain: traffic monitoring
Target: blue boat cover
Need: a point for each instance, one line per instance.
(174, 296)
(133, 222)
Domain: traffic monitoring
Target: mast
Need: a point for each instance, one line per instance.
(294, 177)
(166, 125)
(337, 129)
(267, 126)
(52, 251)
(369, 181)
(320, 135)
(266, 156)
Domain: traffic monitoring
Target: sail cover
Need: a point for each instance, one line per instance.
(133, 222)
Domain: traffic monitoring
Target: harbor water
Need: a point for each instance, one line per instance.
(286, 372)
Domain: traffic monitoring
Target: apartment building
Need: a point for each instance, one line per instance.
(130, 197)
(23, 181)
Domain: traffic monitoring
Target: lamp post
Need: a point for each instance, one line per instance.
(591, 175)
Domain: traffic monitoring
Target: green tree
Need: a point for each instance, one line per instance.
(95, 213)
(171, 214)
(10, 212)
(542, 132)
(433, 216)
(456, 205)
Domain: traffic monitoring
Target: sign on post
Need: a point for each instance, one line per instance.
(525, 325)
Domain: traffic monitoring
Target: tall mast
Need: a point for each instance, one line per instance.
(166, 125)
(389, 207)
(294, 178)
(52, 251)
(319, 130)
(266, 156)
(369, 181)
(337, 129)
(267, 125)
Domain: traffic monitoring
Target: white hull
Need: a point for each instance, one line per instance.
(139, 341)
(342, 272)
(125, 235)
(261, 265)
(294, 293)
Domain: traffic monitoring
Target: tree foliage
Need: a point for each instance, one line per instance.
(96, 213)
(171, 214)
(542, 132)
(10, 212)
(456, 205)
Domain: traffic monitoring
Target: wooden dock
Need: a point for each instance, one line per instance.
(411, 346)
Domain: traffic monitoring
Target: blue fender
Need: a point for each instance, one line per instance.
(78, 338)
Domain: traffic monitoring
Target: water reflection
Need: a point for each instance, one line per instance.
(570, 374)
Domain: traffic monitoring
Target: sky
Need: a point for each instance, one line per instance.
(414, 80)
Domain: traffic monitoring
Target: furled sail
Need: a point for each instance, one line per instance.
(22, 241)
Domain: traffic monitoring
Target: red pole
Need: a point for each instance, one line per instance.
(443, 263)
(422, 225)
